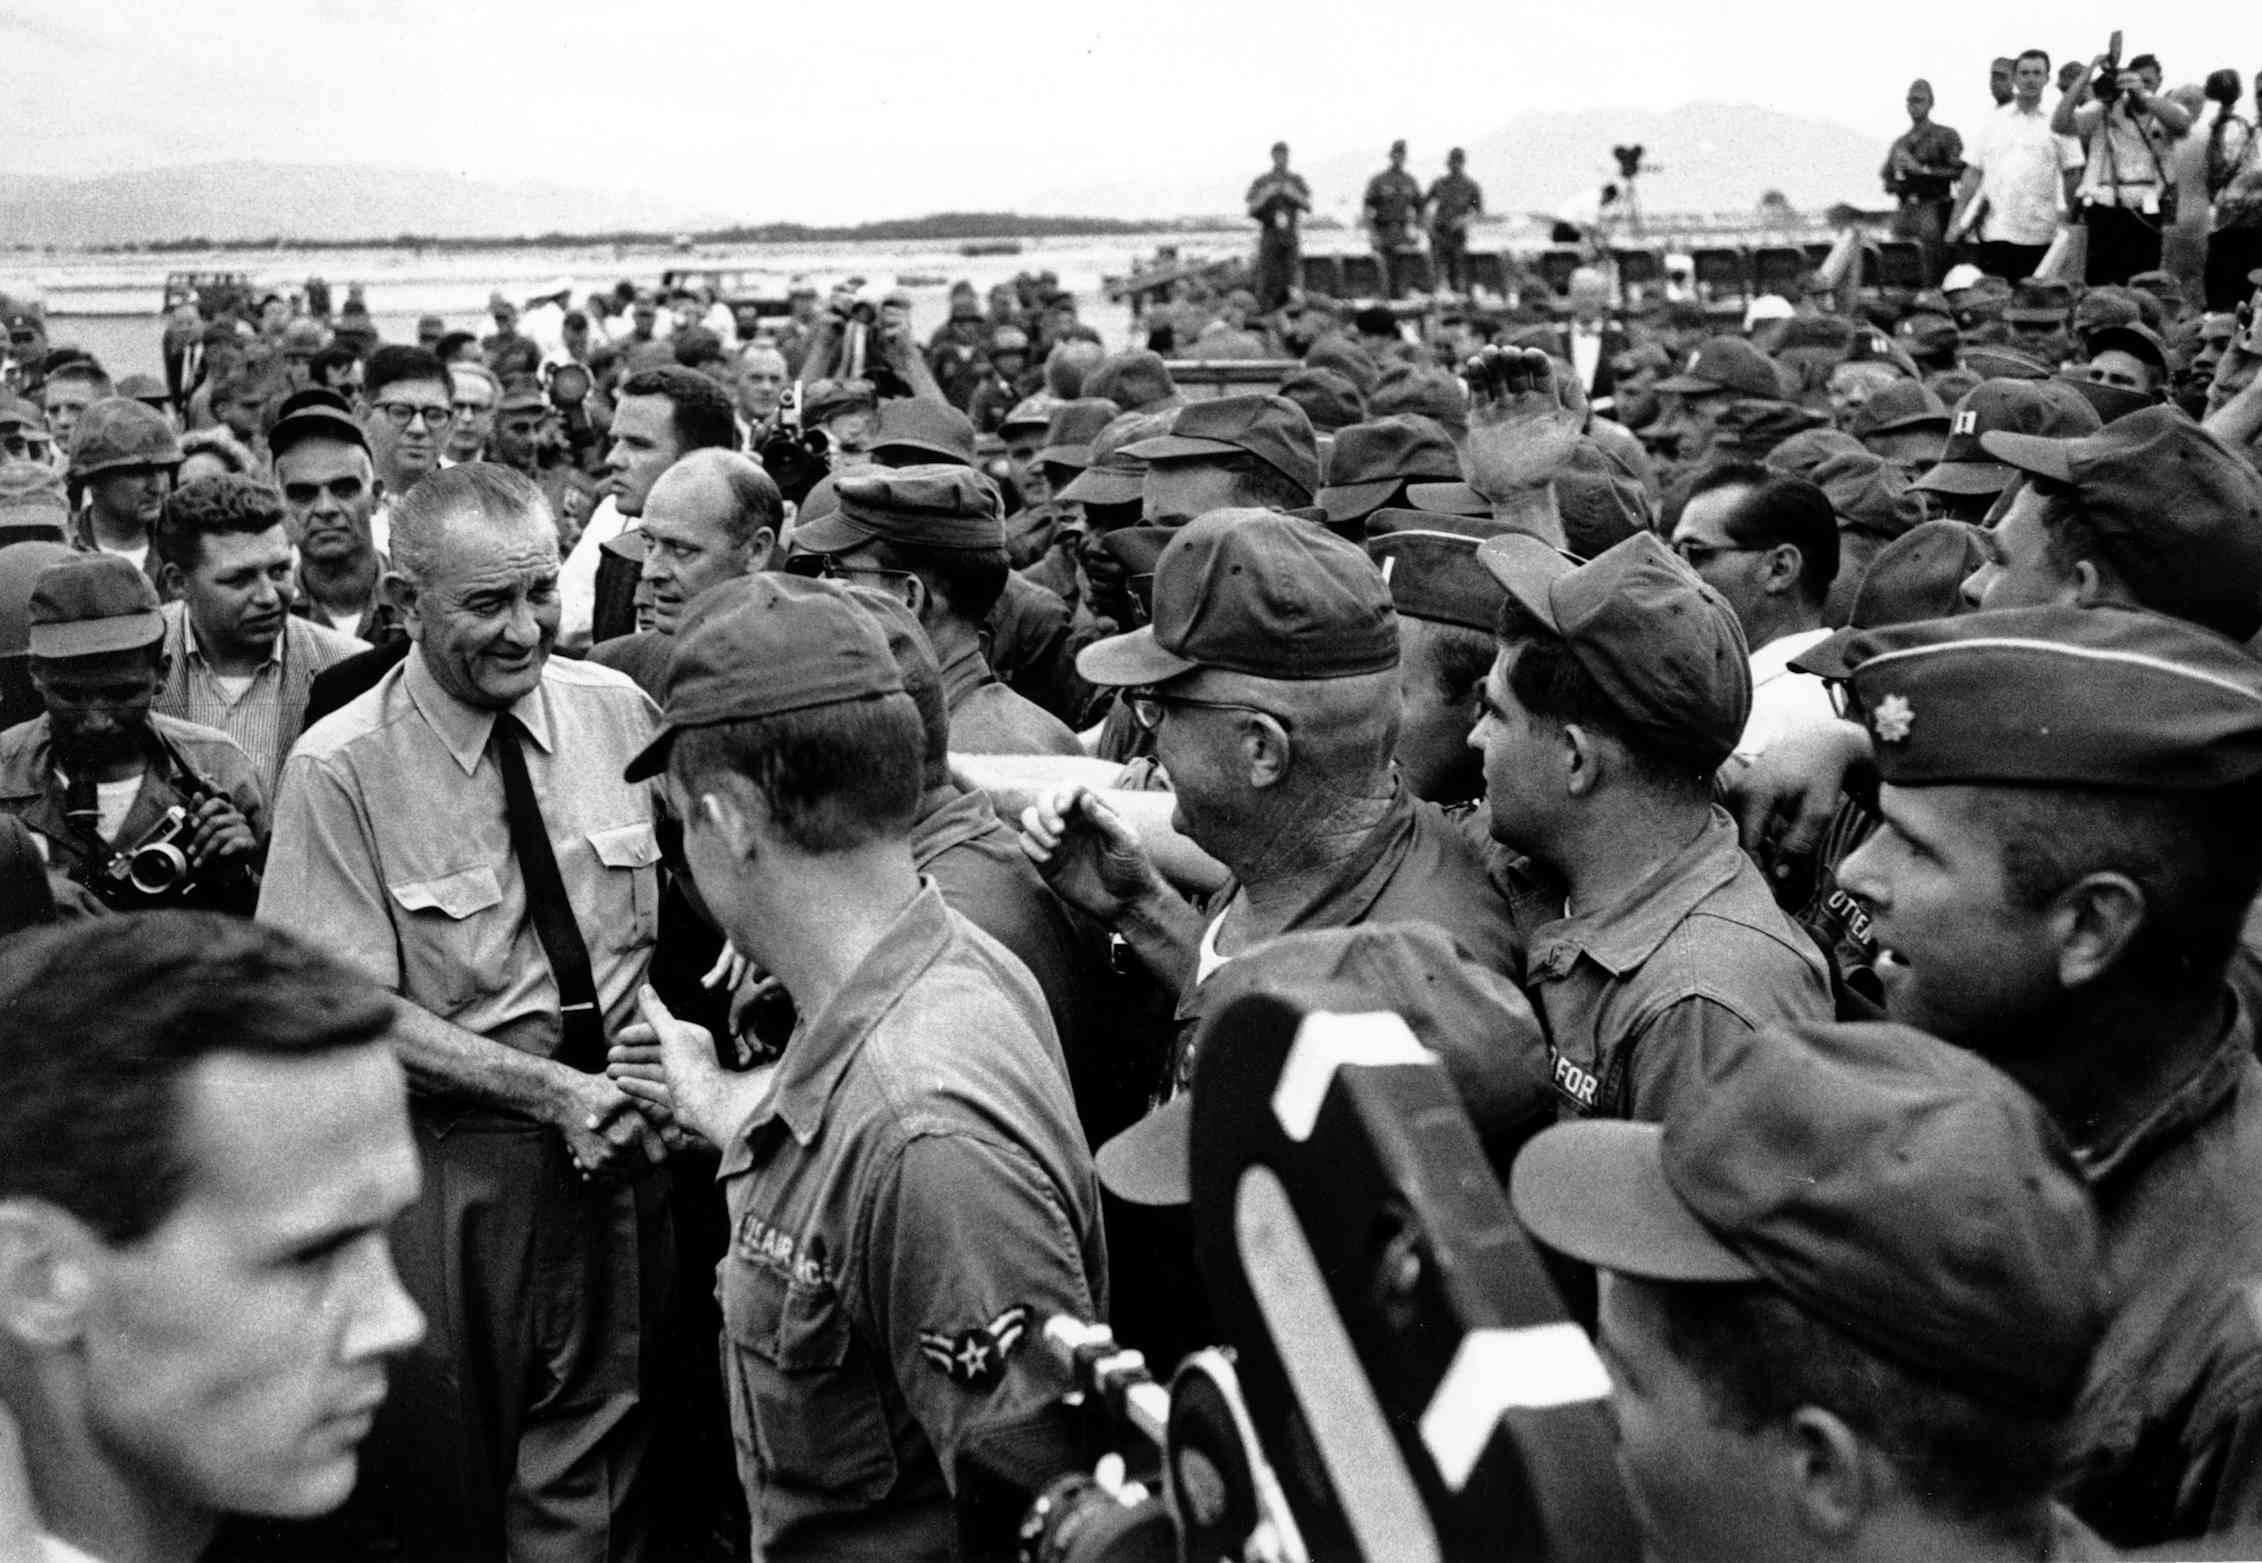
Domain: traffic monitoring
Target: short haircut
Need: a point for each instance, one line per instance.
(337, 356)
(2195, 854)
(971, 580)
(1454, 657)
(453, 343)
(476, 372)
(1551, 683)
(210, 507)
(1778, 510)
(1758, 1357)
(2225, 87)
(2033, 54)
(835, 778)
(101, 1022)
(86, 371)
(755, 502)
(2143, 62)
(481, 491)
(392, 365)
(701, 410)
(220, 442)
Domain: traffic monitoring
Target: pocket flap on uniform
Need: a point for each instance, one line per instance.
(626, 846)
(456, 895)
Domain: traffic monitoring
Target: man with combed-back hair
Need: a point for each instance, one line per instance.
(209, 1138)
(461, 835)
(910, 1194)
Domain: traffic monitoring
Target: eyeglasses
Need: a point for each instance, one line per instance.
(893, 582)
(401, 414)
(1697, 555)
(1148, 708)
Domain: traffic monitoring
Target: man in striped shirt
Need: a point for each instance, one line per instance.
(238, 660)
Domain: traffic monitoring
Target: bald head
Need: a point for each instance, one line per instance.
(710, 518)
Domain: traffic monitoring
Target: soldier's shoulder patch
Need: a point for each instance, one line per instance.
(976, 1357)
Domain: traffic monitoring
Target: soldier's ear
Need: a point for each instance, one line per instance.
(50, 1263)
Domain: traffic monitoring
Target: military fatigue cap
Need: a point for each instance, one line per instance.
(2019, 406)
(1428, 392)
(21, 566)
(934, 506)
(2135, 339)
(1353, 362)
(2176, 513)
(1115, 476)
(1372, 459)
(1255, 592)
(2034, 315)
(16, 413)
(1727, 363)
(1905, 404)
(2004, 363)
(1750, 426)
(1031, 412)
(1919, 575)
(1803, 452)
(2106, 306)
(920, 423)
(522, 393)
(2065, 696)
(1068, 438)
(1327, 396)
(119, 432)
(1868, 493)
(1429, 562)
(316, 414)
(1137, 381)
(1661, 644)
(31, 493)
(1271, 428)
(90, 604)
(1896, 1187)
(2110, 402)
(763, 645)
(1475, 1020)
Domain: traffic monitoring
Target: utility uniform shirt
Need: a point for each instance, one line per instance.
(988, 718)
(909, 1203)
(391, 850)
(2169, 1428)
(1626, 993)
(1420, 864)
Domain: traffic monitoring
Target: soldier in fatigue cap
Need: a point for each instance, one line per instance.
(1230, 451)
(933, 537)
(2067, 855)
(2152, 511)
(1850, 1292)
(1373, 462)
(1447, 606)
(909, 1191)
(1618, 689)
(1966, 481)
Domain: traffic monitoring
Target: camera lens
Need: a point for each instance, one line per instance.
(157, 869)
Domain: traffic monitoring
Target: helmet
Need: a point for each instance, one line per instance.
(121, 432)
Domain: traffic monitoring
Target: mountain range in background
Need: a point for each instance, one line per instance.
(230, 202)
(1707, 157)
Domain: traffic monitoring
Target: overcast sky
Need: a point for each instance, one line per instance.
(837, 112)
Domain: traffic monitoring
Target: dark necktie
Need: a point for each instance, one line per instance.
(582, 1042)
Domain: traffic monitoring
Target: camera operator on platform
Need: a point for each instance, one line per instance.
(140, 809)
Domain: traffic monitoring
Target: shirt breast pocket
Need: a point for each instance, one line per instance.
(631, 857)
(450, 953)
(804, 1402)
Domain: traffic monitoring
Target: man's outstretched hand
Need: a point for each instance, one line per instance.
(1524, 421)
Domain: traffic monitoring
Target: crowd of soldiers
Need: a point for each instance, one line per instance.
(533, 858)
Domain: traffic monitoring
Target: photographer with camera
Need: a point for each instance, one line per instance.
(2127, 193)
(859, 340)
(141, 809)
